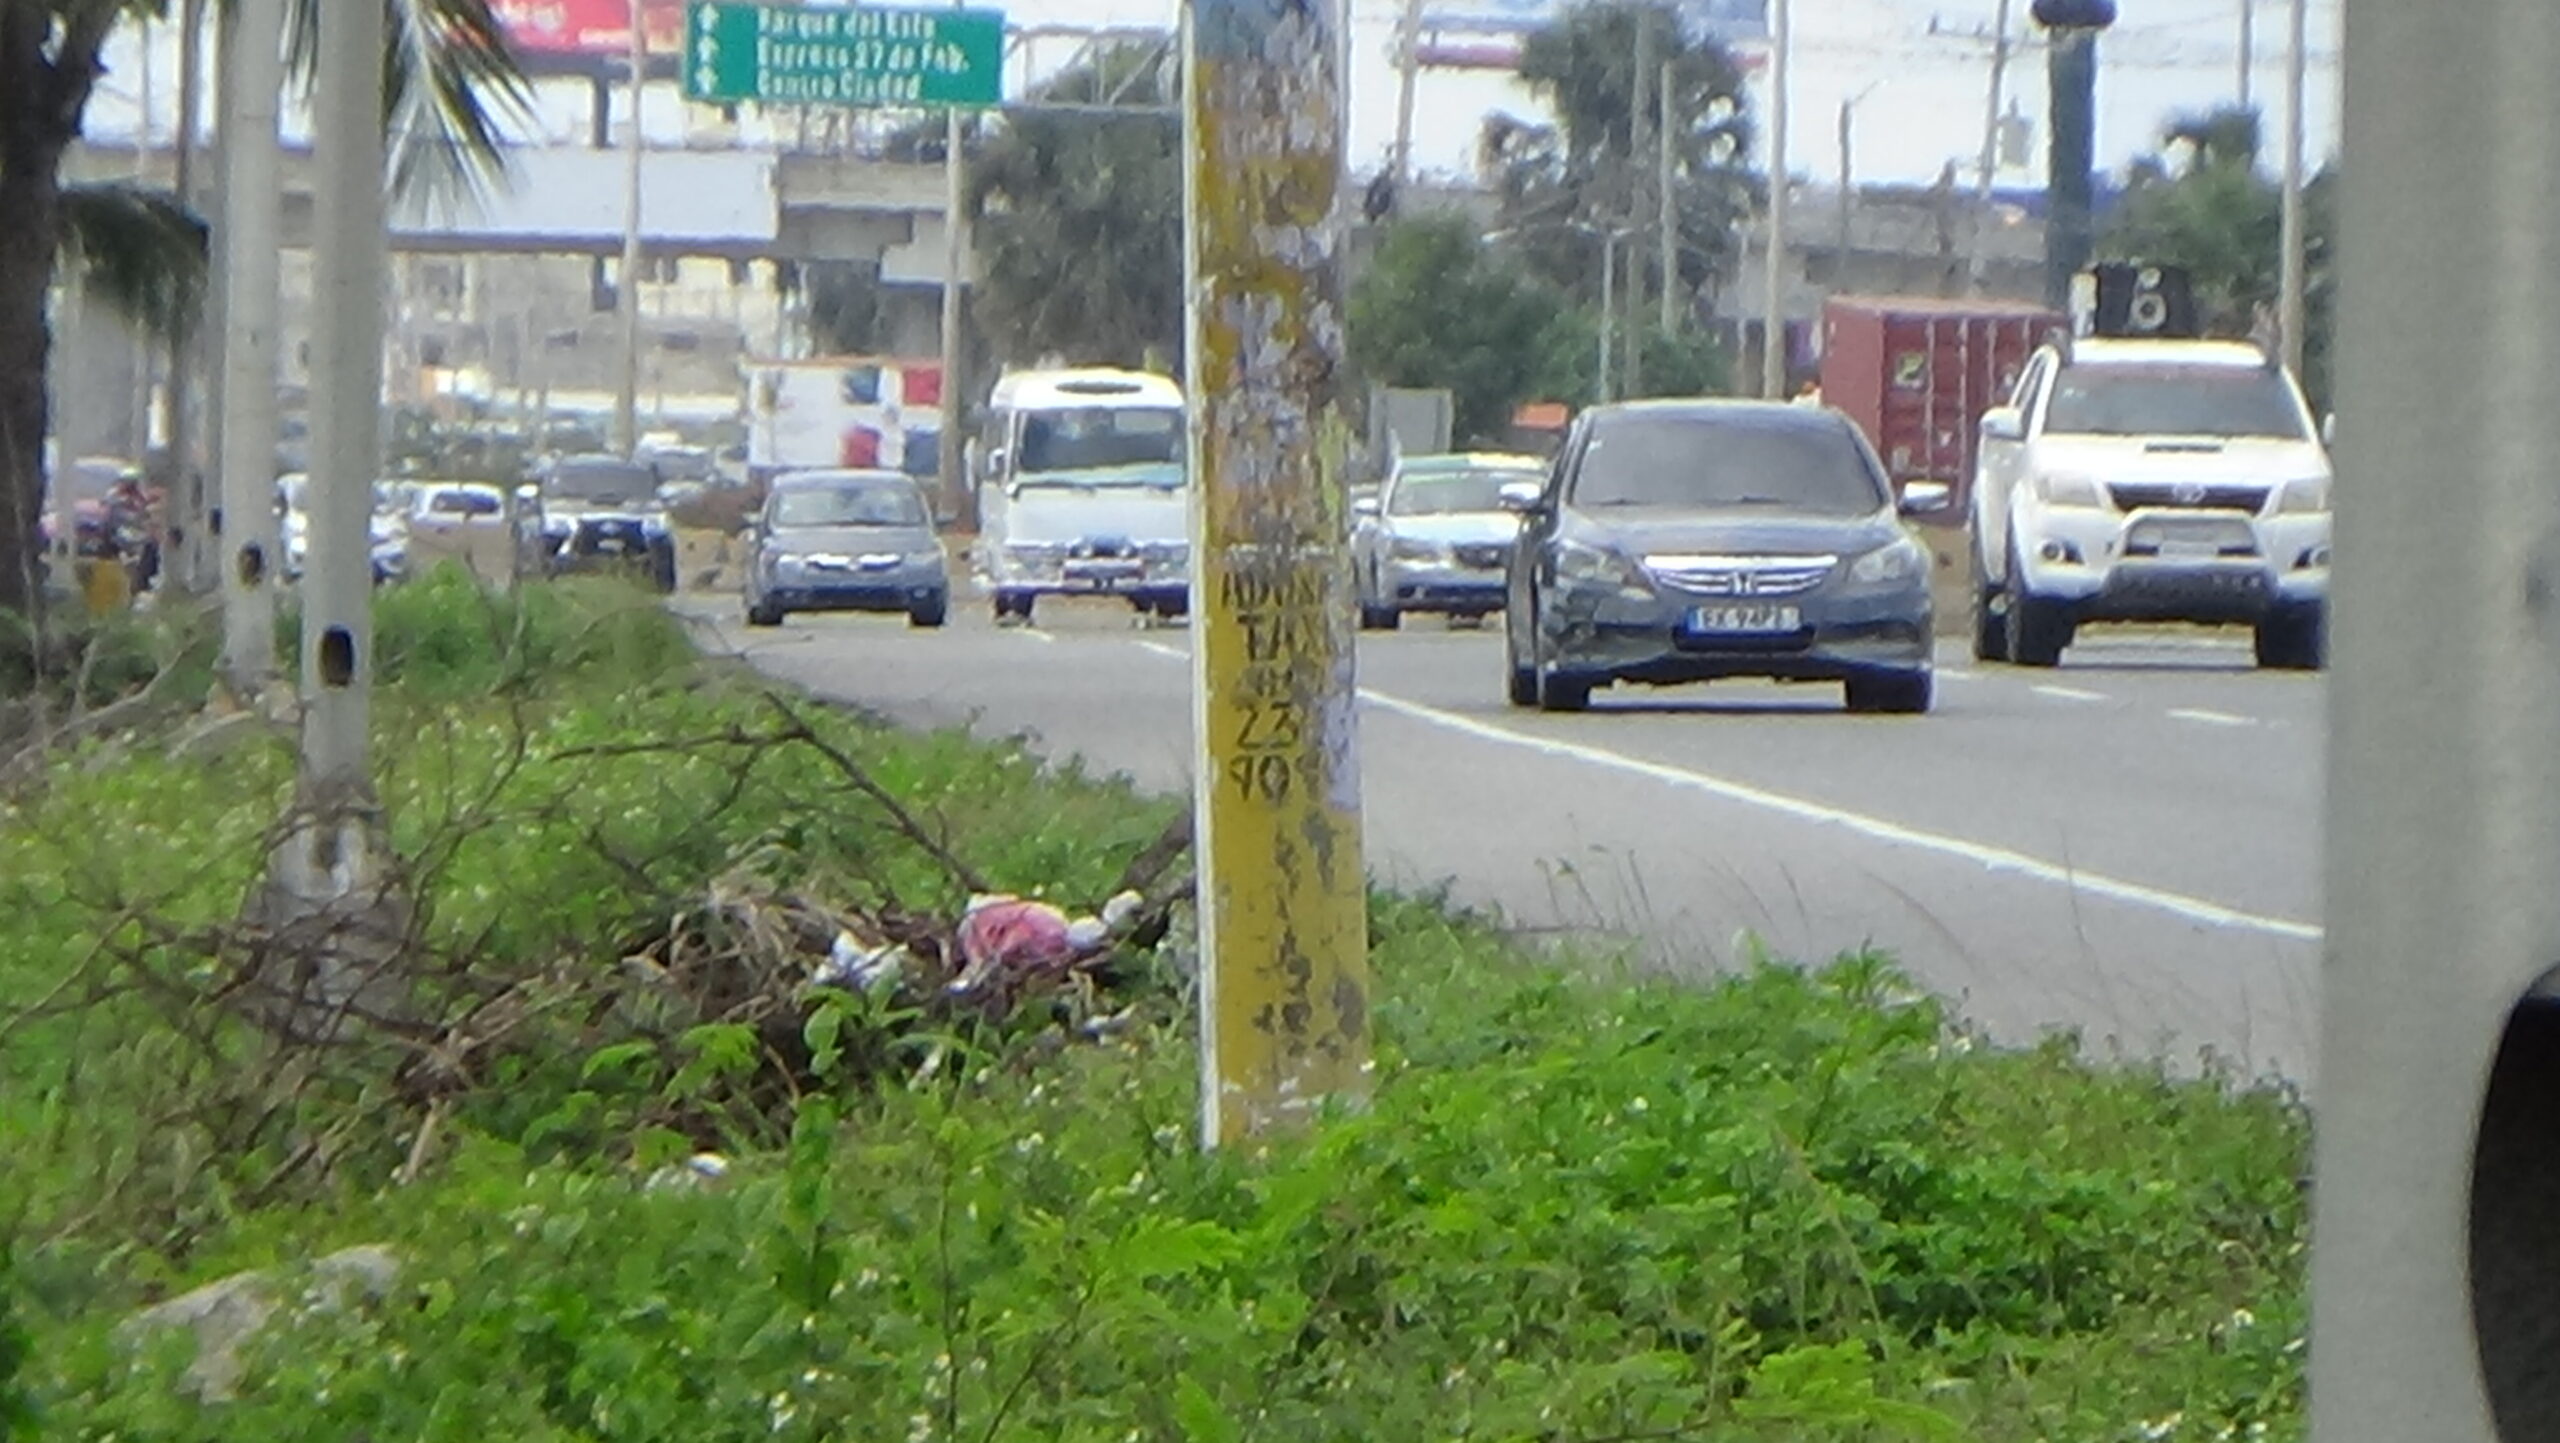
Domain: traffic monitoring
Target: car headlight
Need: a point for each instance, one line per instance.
(2070, 491)
(2308, 495)
(1598, 565)
(556, 526)
(1895, 561)
(1414, 548)
(787, 563)
(1035, 553)
(1166, 553)
(931, 557)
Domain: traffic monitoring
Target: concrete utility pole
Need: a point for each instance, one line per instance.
(2292, 318)
(332, 866)
(1773, 281)
(2435, 1270)
(1283, 909)
(1408, 73)
(251, 222)
(331, 899)
(1978, 264)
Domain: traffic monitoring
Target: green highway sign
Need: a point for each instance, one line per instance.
(864, 55)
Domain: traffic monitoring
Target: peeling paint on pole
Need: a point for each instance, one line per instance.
(1284, 922)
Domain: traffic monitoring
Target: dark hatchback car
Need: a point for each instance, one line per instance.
(1685, 541)
(847, 541)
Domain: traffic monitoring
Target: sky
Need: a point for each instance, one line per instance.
(1918, 72)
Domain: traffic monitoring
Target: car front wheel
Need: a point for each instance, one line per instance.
(2037, 630)
(2293, 638)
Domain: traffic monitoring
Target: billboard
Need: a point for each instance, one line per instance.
(1731, 21)
(560, 28)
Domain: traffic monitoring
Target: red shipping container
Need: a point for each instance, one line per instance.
(1916, 374)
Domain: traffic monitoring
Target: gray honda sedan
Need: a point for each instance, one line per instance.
(1685, 541)
(846, 541)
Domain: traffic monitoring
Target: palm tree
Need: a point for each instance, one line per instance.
(1076, 214)
(448, 76)
(1560, 184)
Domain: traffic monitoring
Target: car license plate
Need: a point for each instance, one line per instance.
(1754, 620)
(2175, 549)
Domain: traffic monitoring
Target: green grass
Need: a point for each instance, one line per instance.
(1582, 1205)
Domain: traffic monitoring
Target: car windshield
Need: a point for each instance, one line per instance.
(1449, 493)
(682, 464)
(2116, 400)
(602, 481)
(458, 502)
(1700, 459)
(1098, 438)
(852, 503)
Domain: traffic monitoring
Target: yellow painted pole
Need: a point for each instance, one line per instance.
(1284, 922)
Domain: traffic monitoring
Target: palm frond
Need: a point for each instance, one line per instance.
(449, 84)
(139, 250)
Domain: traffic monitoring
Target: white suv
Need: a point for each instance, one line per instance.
(2150, 480)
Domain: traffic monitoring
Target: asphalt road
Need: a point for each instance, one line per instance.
(2127, 846)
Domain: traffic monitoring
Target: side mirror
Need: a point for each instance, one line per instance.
(1364, 506)
(2329, 429)
(1521, 496)
(995, 459)
(2004, 423)
(1926, 498)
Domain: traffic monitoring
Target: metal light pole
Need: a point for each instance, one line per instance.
(626, 296)
(2248, 48)
(252, 206)
(2291, 314)
(1608, 313)
(1283, 910)
(1848, 170)
(1773, 295)
(1666, 217)
(955, 264)
(191, 565)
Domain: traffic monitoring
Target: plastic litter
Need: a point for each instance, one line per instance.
(861, 966)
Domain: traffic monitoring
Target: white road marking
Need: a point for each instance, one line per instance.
(1990, 858)
(2212, 718)
(2068, 693)
(1949, 673)
(1042, 637)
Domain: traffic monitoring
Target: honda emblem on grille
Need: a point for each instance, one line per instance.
(2188, 493)
(1746, 583)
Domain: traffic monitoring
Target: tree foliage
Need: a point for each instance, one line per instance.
(2204, 204)
(1595, 166)
(449, 83)
(1077, 220)
(1438, 308)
